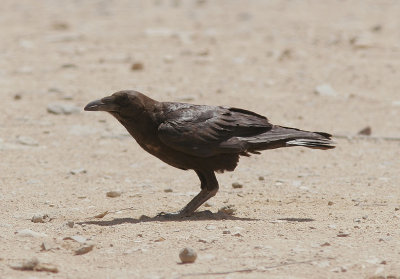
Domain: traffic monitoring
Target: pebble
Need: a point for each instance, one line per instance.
(27, 141)
(29, 233)
(86, 248)
(211, 227)
(168, 190)
(361, 41)
(226, 232)
(40, 218)
(137, 66)
(26, 264)
(65, 109)
(77, 171)
(330, 202)
(342, 234)
(237, 185)
(46, 246)
(228, 209)
(325, 90)
(70, 224)
(35, 265)
(208, 204)
(60, 26)
(113, 194)
(187, 255)
(367, 131)
(168, 59)
(77, 238)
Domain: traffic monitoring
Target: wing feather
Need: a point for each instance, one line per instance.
(205, 131)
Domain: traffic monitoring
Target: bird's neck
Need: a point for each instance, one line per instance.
(141, 127)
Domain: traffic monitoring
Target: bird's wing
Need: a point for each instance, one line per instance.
(205, 131)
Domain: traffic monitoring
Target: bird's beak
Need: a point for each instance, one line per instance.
(99, 105)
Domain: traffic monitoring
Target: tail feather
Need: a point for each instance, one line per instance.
(280, 136)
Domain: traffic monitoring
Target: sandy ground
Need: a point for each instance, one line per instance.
(301, 213)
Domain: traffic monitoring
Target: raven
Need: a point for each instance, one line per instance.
(206, 139)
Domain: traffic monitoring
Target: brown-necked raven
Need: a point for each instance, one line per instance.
(205, 139)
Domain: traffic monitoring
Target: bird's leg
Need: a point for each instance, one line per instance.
(209, 187)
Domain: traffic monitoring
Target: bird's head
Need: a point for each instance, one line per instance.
(126, 103)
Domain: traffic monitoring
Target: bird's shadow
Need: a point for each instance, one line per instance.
(299, 220)
(197, 216)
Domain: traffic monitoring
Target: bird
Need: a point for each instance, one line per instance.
(206, 139)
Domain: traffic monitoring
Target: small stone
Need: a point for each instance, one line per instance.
(168, 190)
(46, 246)
(77, 238)
(342, 234)
(27, 141)
(237, 185)
(168, 59)
(77, 171)
(330, 203)
(137, 66)
(211, 227)
(40, 218)
(226, 232)
(101, 215)
(65, 109)
(60, 26)
(365, 132)
(285, 54)
(113, 194)
(228, 210)
(35, 265)
(29, 233)
(17, 96)
(261, 178)
(187, 255)
(46, 267)
(362, 41)
(86, 248)
(325, 244)
(325, 90)
(376, 28)
(69, 66)
(26, 264)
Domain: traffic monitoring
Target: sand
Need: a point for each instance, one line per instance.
(301, 213)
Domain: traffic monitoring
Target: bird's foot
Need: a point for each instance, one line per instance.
(172, 215)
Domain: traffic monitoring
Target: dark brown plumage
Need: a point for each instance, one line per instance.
(202, 138)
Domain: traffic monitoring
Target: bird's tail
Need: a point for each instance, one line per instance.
(280, 136)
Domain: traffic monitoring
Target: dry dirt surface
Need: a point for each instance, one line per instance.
(328, 66)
